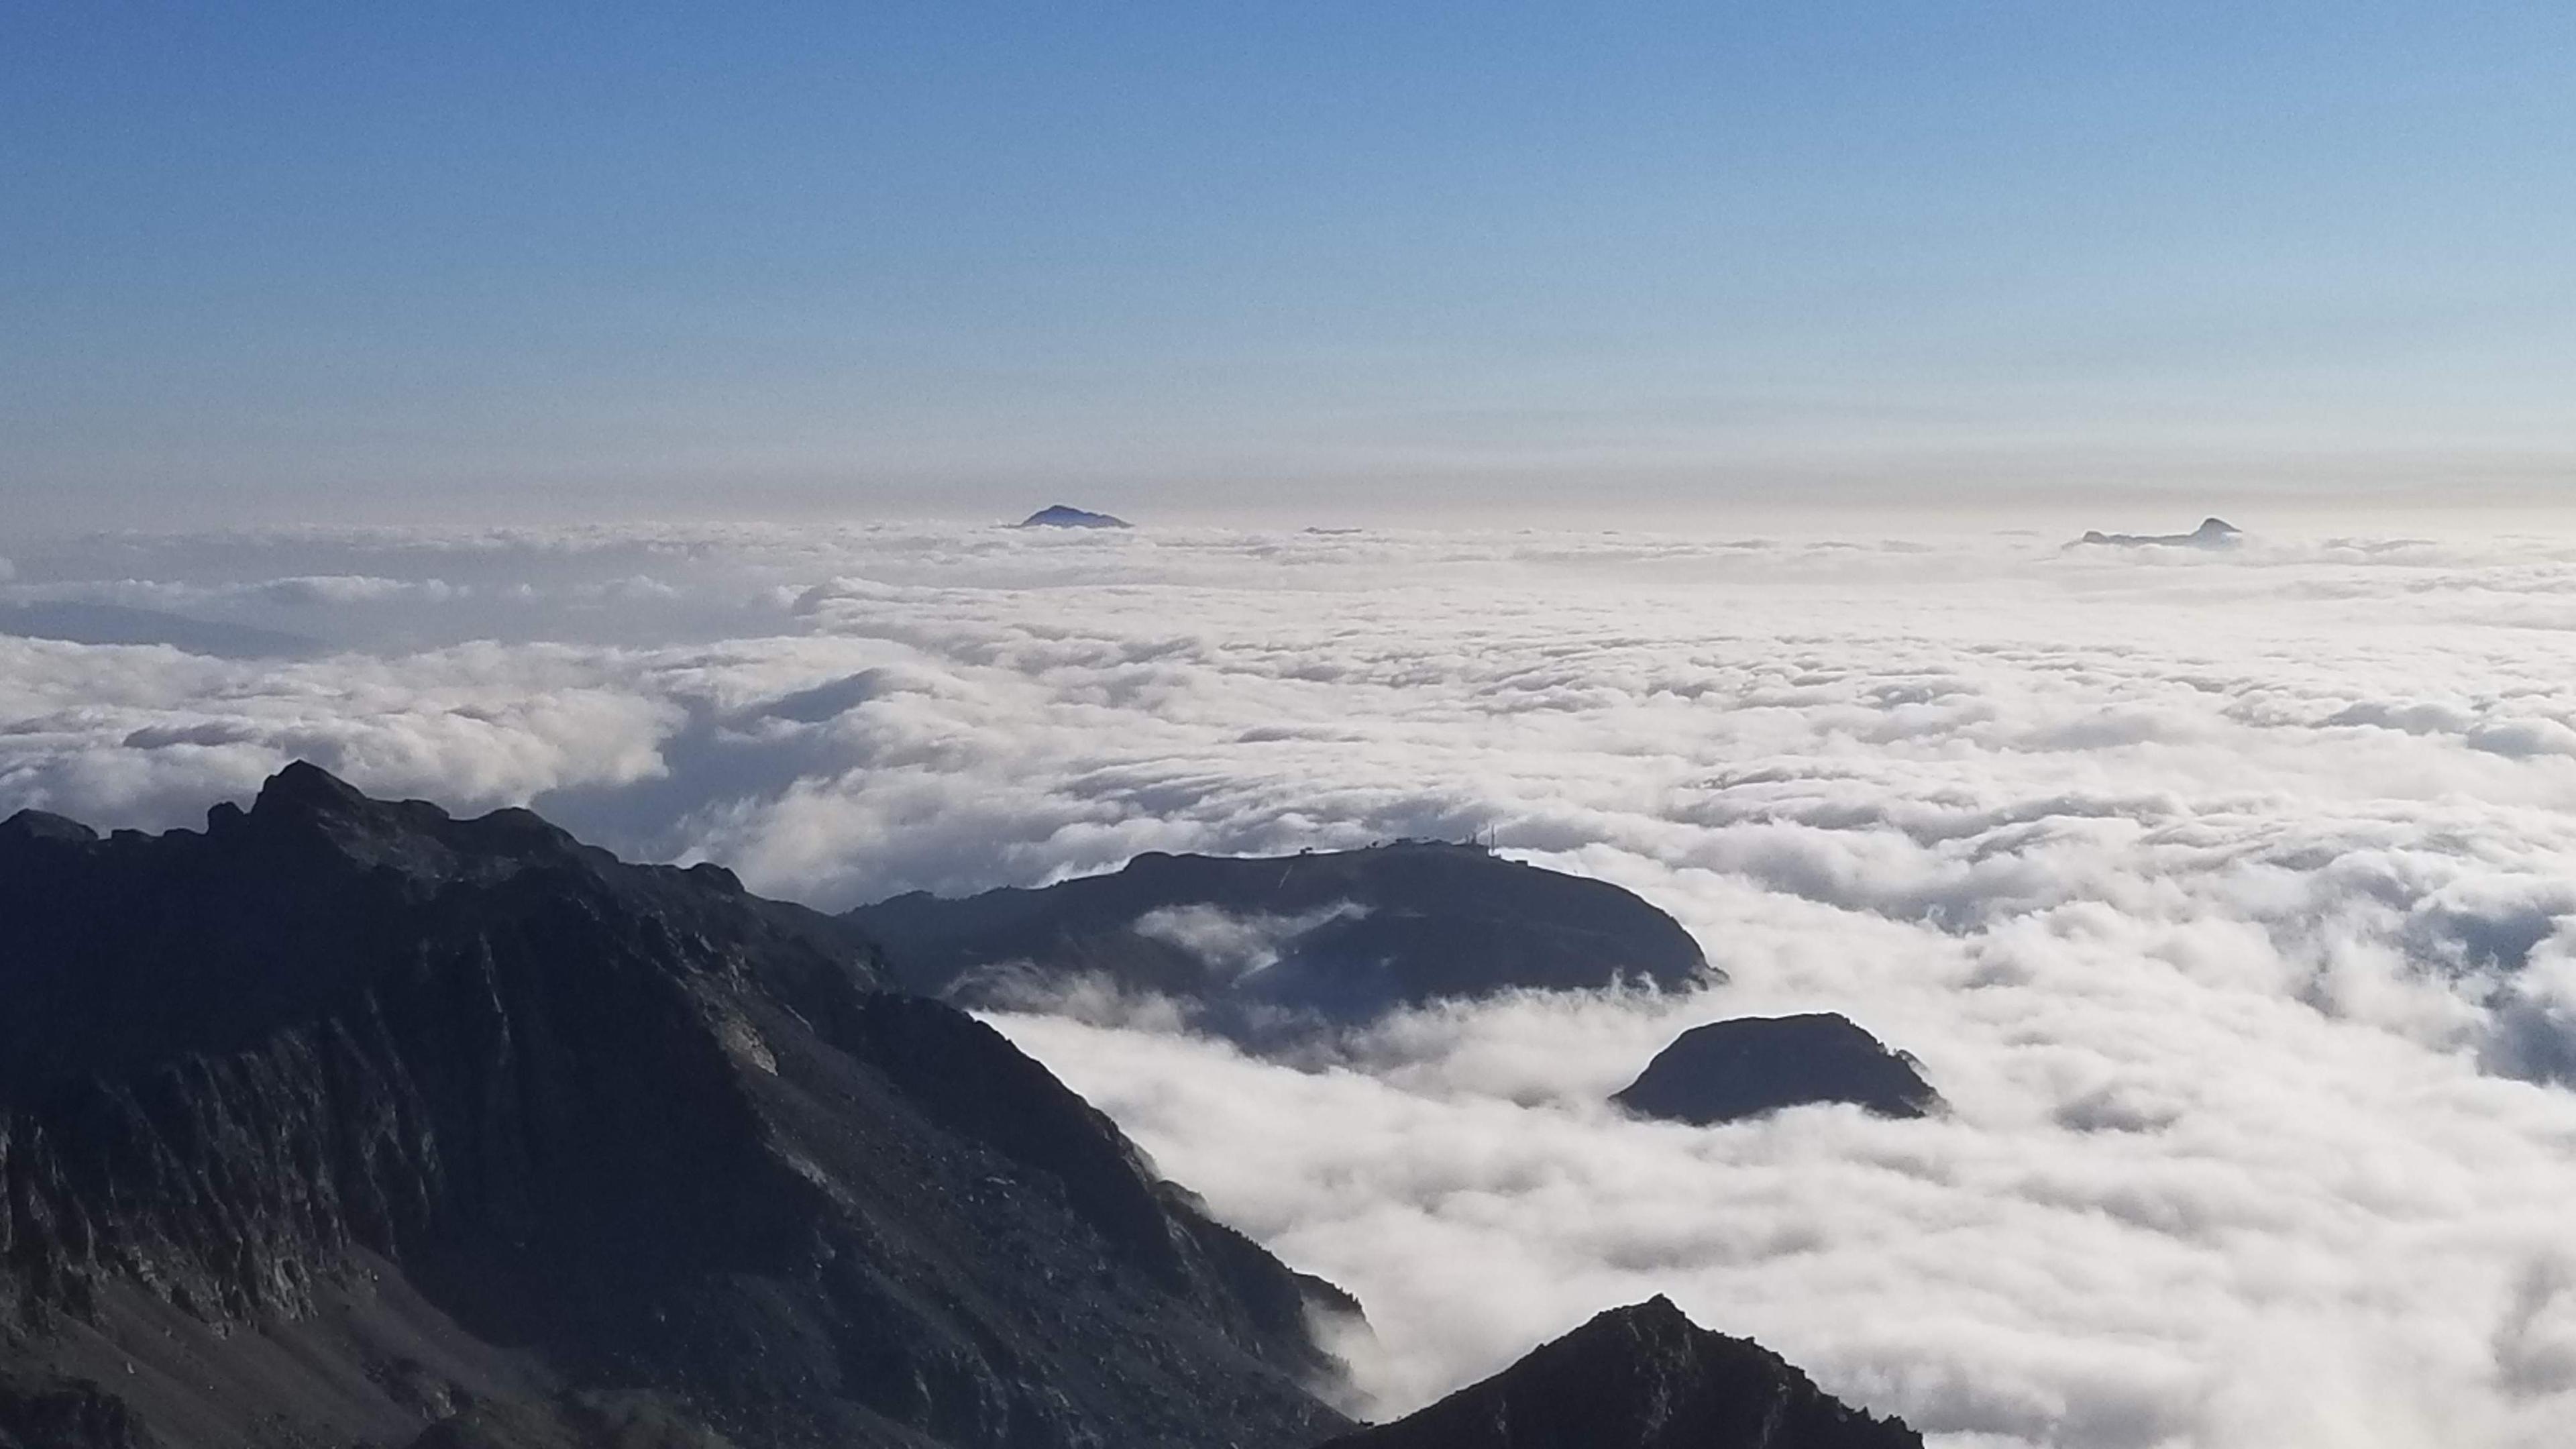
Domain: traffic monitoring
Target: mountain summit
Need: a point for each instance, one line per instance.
(346, 1122)
(1641, 1377)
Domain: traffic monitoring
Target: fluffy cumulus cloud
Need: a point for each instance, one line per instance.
(2229, 899)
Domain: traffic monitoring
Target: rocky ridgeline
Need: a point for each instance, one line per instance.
(343, 1119)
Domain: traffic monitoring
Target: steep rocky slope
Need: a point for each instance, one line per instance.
(1729, 1070)
(1267, 947)
(344, 1122)
(1641, 1377)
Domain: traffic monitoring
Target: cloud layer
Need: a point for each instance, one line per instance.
(2229, 899)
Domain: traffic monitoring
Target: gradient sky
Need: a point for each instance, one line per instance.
(453, 261)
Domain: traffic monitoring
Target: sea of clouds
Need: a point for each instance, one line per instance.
(2229, 898)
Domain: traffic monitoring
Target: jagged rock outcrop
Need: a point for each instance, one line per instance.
(1641, 1377)
(1730, 1070)
(2212, 533)
(345, 1122)
(1267, 949)
(1060, 515)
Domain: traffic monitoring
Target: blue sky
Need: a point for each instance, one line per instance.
(1211, 260)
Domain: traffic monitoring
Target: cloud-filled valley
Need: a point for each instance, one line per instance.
(2228, 899)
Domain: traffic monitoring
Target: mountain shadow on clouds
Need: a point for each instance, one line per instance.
(84, 623)
(1641, 1377)
(1269, 950)
(346, 1122)
(1727, 1071)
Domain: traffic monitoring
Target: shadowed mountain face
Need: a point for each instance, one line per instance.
(1642, 1377)
(345, 1122)
(1729, 1070)
(2212, 533)
(1269, 948)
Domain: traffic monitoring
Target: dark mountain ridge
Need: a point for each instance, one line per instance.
(344, 1122)
(1265, 948)
(1641, 1377)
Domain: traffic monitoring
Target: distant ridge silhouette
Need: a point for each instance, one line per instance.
(2212, 533)
(1061, 515)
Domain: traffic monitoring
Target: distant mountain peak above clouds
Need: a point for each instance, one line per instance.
(1064, 515)
(1269, 949)
(2212, 533)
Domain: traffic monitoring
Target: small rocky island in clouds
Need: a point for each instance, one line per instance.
(1059, 515)
(2212, 533)
(1727, 1071)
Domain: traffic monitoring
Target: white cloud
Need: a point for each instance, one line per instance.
(1235, 945)
(150, 736)
(2226, 898)
(328, 590)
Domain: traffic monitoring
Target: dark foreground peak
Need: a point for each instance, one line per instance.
(347, 1122)
(1641, 1377)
